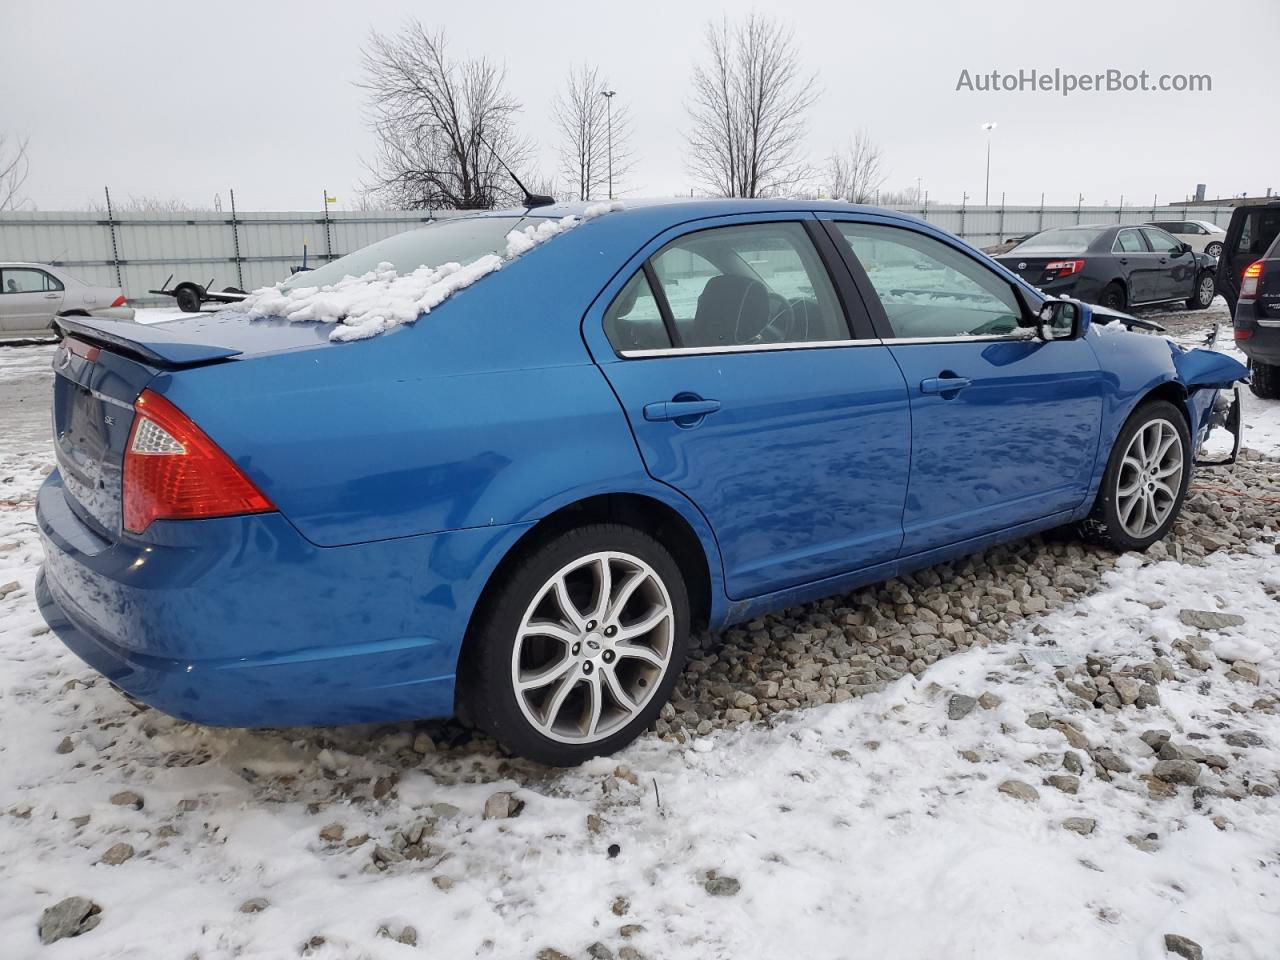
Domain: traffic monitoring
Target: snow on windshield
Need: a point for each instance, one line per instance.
(383, 299)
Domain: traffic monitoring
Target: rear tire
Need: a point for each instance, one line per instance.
(1113, 296)
(1214, 250)
(607, 661)
(1206, 289)
(1145, 481)
(1264, 380)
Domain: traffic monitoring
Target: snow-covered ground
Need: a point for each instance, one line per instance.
(910, 823)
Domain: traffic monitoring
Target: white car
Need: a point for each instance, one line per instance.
(32, 294)
(1202, 235)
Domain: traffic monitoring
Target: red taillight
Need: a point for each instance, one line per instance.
(1249, 280)
(1243, 334)
(173, 471)
(120, 301)
(1064, 268)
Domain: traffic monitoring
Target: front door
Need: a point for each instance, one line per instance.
(1004, 427)
(732, 355)
(1176, 276)
(1138, 265)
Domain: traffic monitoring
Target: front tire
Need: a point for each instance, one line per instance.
(1214, 250)
(188, 298)
(1264, 380)
(576, 653)
(1145, 481)
(1206, 290)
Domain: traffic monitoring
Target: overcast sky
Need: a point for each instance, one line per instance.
(185, 100)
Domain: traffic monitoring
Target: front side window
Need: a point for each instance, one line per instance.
(1129, 241)
(26, 280)
(1161, 242)
(633, 321)
(929, 289)
(748, 285)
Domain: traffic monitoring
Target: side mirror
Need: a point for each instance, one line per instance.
(1060, 320)
(1186, 248)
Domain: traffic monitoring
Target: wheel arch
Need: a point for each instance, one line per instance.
(684, 537)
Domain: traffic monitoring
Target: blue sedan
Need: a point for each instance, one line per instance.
(515, 497)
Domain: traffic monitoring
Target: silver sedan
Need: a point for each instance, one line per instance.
(32, 294)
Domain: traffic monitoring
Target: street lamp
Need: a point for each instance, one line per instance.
(608, 96)
(986, 196)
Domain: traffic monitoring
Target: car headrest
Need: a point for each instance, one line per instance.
(732, 310)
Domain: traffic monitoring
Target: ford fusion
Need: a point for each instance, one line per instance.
(502, 468)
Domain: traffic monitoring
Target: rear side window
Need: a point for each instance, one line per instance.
(1129, 241)
(928, 289)
(26, 280)
(1061, 240)
(749, 285)
(633, 321)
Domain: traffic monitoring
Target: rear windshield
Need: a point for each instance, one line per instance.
(462, 240)
(1061, 240)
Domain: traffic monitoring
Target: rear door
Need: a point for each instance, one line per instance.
(1004, 427)
(29, 298)
(747, 390)
(1137, 264)
(1251, 232)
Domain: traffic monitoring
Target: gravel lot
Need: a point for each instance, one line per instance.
(1043, 750)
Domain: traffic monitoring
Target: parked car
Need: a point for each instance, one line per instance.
(673, 417)
(1114, 266)
(32, 294)
(1257, 322)
(1250, 234)
(1199, 235)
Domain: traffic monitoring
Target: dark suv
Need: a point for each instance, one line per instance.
(1250, 233)
(1257, 320)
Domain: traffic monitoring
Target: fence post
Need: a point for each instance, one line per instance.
(1079, 206)
(1120, 211)
(328, 237)
(235, 239)
(1000, 228)
(115, 249)
(1040, 225)
(924, 211)
(964, 199)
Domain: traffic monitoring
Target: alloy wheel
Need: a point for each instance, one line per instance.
(1206, 291)
(1150, 477)
(592, 647)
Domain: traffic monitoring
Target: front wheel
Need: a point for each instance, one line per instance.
(575, 654)
(1204, 292)
(1214, 249)
(1146, 479)
(1264, 380)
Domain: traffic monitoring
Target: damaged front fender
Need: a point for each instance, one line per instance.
(1200, 369)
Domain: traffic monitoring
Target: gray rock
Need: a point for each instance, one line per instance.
(423, 744)
(1108, 759)
(255, 905)
(1081, 825)
(117, 854)
(65, 746)
(127, 798)
(1183, 947)
(598, 951)
(960, 706)
(1063, 782)
(69, 918)
(1038, 721)
(1210, 619)
(1243, 738)
(1019, 790)
(1155, 739)
(721, 886)
(1185, 772)
(8, 588)
(502, 805)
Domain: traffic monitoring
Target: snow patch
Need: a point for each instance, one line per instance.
(383, 299)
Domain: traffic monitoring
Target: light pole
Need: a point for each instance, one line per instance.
(986, 195)
(608, 98)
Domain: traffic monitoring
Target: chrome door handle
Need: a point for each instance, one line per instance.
(679, 409)
(944, 384)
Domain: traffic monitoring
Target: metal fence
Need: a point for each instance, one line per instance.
(137, 252)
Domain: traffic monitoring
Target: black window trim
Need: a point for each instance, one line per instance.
(855, 323)
(880, 319)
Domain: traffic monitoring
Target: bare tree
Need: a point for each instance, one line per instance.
(581, 114)
(748, 110)
(14, 168)
(855, 173)
(438, 122)
(144, 203)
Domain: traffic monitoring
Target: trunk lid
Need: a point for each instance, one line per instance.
(1031, 269)
(103, 365)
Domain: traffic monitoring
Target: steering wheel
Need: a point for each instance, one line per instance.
(779, 311)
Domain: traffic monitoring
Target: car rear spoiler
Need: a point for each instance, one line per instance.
(149, 344)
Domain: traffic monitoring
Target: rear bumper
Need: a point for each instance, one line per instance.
(1263, 344)
(242, 622)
